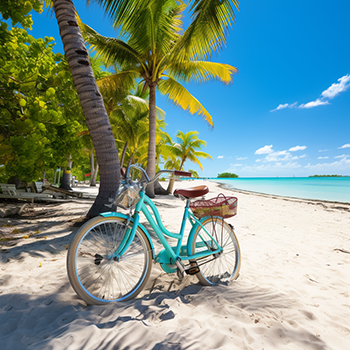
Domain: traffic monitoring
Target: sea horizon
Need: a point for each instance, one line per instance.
(335, 189)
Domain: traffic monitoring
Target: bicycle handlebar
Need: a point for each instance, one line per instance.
(182, 173)
(156, 176)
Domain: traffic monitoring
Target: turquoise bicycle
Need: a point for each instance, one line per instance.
(110, 257)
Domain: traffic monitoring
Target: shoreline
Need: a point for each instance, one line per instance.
(315, 201)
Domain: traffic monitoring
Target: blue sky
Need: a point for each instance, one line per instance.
(287, 112)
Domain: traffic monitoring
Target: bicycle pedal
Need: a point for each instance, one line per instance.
(192, 270)
(98, 259)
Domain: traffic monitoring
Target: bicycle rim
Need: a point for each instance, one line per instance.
(222, 267)
(95, 275)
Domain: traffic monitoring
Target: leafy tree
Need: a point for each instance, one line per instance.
(156, 50)
(227, 175)
(40, 114)
(18, 12)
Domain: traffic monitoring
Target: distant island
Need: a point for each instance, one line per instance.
(228, 175)
(329, 176)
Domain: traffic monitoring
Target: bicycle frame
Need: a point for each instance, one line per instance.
(169, 255)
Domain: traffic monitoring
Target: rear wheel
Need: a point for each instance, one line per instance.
(95, 275)
(220, 267)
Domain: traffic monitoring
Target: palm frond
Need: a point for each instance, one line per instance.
(122, 11)
(181, 97)
(111, 50)
(201, 71)
(199, 154)
(117, 86)
(210, 22)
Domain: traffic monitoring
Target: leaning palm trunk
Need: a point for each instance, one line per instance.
(94, 176)
(171, 184)
(92, 104)
(123, 154)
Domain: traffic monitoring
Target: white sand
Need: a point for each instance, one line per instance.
(292, 292)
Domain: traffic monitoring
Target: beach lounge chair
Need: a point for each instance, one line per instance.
(8, 189)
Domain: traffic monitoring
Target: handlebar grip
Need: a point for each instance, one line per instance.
(182, 173)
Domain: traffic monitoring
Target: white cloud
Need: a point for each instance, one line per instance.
(340, 165)
(322, 157)
(276, 156)
(298, 157)
(336, 88)
(236, 164)
(258, 160)
(347, 145)
(241, 158)
(264, 150)
(283, 106)
(328, 94)
(220, 157)
(342, 156)
(323, 150)
(272, 168)
(313, 104)
(297, 148)
(280, 153)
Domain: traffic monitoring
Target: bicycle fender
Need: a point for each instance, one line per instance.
(120, 215)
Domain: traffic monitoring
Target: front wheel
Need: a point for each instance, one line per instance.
(220, 267)
(98, 277)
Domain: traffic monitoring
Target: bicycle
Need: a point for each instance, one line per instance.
(110, 257)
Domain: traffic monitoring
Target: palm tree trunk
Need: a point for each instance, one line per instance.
(92, 103)
(123, 154)
(182, 163)
(171, 184)
(94, 175)
(151, 162)
(92, 166)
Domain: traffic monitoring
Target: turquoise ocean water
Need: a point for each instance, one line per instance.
(323, 188)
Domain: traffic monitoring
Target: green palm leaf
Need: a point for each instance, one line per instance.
(210, 22)
(111, 50)
(201, 71)
(181, 97)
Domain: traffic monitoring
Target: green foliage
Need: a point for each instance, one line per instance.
(18, 12)
(186, 147)
(228, 175)
(328, 176)
(40, 112)
(194, 173)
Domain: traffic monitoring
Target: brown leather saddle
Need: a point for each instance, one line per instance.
(192, 192)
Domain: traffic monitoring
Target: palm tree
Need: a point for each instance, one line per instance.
(92, 104)
(156, 50)
(194, 173)
(186, 148)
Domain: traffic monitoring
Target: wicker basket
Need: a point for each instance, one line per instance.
(127, 196)
(222, 206)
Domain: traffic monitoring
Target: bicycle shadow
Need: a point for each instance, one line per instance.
(181, 318)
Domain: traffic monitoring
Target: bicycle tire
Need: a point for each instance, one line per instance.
(222, 267)
(98, 278)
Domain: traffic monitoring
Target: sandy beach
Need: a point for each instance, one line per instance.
(293, 291)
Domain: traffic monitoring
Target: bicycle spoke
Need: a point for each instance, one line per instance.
(222, 266)
(100, 280)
